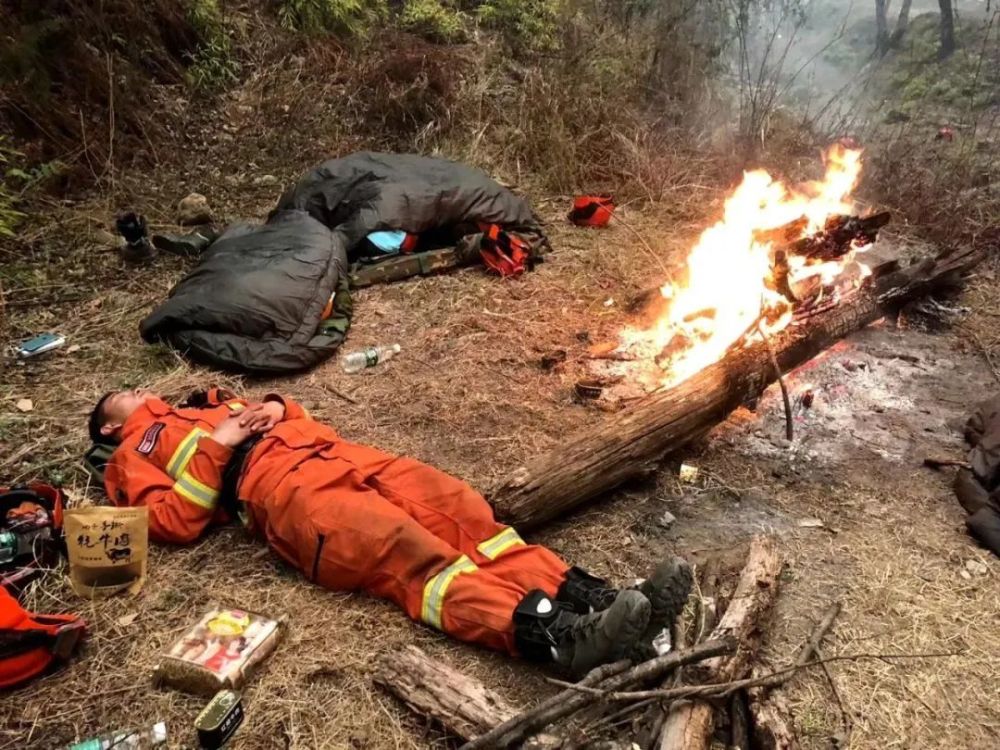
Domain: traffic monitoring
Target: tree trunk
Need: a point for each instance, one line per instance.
(631, 442)
(881, 26)
(947, 28)
(462, 705)
(902, 24)
(689, 725)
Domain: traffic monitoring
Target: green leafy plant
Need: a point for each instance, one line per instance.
(344, 17)
(528, 24)
(9, 216)
(434, 20)
(213, 65)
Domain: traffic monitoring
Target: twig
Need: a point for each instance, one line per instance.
(986, 354)
(781, 382)
(569, 701)
(819, 633)
(940, 463)
(619, 220)
(725, 689)
(845, 718)
(339, 394)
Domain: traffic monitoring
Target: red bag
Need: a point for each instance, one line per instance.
(592, 210)
(505, 253)
(15, 509)
(30, 643)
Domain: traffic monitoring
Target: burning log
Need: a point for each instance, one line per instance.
(631, 442)
(839, 235)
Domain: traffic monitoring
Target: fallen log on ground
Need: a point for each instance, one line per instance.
(460, 704)
(606, 678)
(631, 442)
(689, 725)
(463, 706)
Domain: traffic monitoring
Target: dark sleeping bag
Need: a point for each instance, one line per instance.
(369, 192)
(256, 300)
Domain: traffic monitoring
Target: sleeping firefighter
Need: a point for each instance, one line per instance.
(350, 517)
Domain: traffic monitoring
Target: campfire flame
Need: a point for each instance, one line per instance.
(728, 288)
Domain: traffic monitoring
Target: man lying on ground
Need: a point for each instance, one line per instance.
(352, 517)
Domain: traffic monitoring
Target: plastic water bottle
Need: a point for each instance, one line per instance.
(127, 739)
(358, 361)
(14, 545)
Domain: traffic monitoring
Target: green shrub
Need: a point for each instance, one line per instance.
(434, 20)
(213, 65)
(9, 217)
(527, 24)
(344, 17)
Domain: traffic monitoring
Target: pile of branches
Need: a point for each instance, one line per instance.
(677, 701)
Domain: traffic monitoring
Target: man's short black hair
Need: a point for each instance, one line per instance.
(96, 421)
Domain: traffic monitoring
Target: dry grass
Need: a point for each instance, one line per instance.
(467, 394)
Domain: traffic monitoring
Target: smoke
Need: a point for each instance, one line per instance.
(816, 58)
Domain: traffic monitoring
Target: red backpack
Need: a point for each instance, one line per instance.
(29, 643)
(592, 210)
(19, 508)
(504, 252)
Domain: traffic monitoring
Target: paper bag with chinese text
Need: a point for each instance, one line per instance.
(107, 549)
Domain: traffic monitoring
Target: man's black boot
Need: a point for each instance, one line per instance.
(186, 245)
(584, 593)
(546, 631)
(667, 590)
(137, 246)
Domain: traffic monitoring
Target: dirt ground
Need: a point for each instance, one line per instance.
(859, 520)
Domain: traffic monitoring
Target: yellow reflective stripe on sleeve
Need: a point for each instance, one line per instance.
(494, 547)
(436, 588)
(196, 492)
(235, 406)
(184, 453)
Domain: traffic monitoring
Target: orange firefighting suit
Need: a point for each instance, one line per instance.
(348, 516)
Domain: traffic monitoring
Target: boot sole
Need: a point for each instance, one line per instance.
(633, 624)
(669, 597)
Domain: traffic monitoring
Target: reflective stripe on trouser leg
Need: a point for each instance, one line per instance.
(437, 587)
(495, 546)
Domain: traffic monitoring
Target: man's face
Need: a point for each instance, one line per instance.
(120, 406)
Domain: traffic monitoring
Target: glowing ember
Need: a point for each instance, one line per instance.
(730, 286)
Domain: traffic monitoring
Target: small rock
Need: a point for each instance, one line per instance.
(73, 348)
(976, 567)
(194, 210)
(126, 620)
(554, 358)
(265, 179)
(24, 405)
(104, 237)
(965, 574)
(811, 523)
(667, 519)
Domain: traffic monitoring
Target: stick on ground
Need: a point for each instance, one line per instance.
(571, 700)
